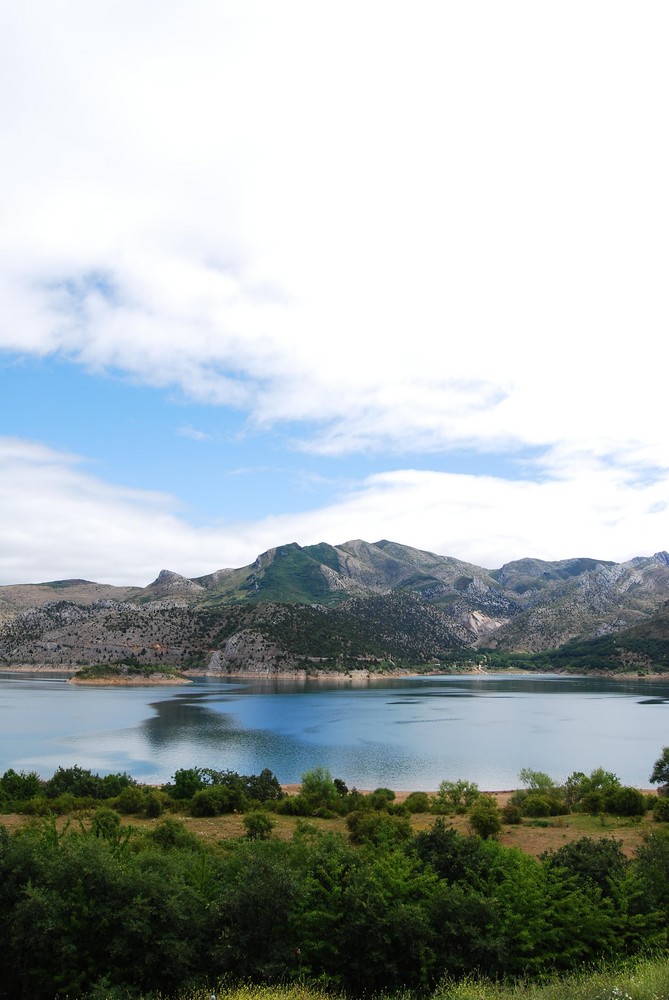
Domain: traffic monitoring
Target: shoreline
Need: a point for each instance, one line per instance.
(358, 676)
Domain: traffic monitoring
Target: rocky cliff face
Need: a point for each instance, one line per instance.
(321, 603)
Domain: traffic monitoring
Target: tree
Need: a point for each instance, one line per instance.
(536, 781)
(187, 781)
(660, 774)
(455, 796)
(21, 785)
(598, 862)
(319, 790)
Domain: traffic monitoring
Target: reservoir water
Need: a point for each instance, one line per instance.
(403, 733)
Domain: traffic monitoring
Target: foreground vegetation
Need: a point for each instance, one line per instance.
(94, 905)
(646, 979)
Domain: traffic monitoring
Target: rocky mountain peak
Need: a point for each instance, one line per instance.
(168, 583)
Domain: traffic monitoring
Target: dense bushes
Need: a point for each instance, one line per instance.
(159, 911)
(382, 909)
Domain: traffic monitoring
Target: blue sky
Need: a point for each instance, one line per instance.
(311, 272)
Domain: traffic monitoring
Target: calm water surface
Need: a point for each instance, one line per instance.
(401, 732)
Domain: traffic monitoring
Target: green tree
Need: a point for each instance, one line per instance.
(387, 936)
(264, 787)
(625, 801)
(77, 781)
(660, 772)
(20, 786)
(453, 857)
(455, 796)
(252, 916)
(186, 782)
(600, 862)
(536, 781)
(319, 791)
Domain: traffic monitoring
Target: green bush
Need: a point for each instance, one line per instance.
(34, 807)
(153, 805)
(258, 825)
(536, 805)
(661, 810)
(511, 814)
(379, 828)
(626, 801)
(418, 802)
(130, 801)
(592, 803)
(171, 833)
(485, 817)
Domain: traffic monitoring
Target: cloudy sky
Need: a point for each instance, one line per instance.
(312, 271)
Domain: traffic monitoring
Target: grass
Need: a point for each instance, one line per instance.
(528, 836)
(646, 979)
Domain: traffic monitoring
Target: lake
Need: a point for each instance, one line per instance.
(403, 733)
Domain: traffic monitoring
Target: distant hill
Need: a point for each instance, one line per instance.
(641, 649)
(355, 604)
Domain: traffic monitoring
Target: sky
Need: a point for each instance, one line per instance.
(314, 271)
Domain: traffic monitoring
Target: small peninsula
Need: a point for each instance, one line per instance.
(126, 675)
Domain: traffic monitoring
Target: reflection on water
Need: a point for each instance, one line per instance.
(400, 732)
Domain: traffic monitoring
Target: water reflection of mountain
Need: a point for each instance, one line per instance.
(213, 737)
(187, 718)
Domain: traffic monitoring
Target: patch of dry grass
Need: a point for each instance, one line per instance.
(532, 836)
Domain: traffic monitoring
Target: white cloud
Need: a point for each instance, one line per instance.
(416, 228)
(193, 433)
(57, 521)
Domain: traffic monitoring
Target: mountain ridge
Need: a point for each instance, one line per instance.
(353, 603)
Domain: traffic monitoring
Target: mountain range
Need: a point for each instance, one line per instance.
(359, 604)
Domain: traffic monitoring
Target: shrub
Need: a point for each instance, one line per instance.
(592, 803)
(661, 810)
(294, 805)
(536, 805)
(319, 790)
(131, 800)
(34, 807)
(374, 827)
(417, 802)
(511, 814)
(485, 817)
(171, 833)
(626, 801)
(106, 823)
(206, 802)
(258, 825)
(153, 805)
